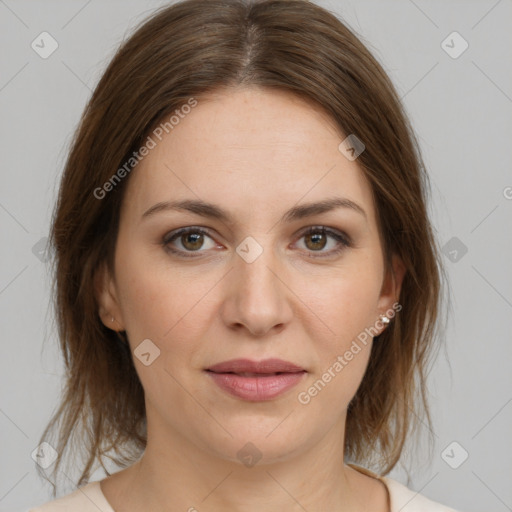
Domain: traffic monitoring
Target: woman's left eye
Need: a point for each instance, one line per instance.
(316, 239)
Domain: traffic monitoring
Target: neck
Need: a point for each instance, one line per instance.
(174, 474)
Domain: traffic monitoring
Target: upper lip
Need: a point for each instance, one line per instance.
(249, 366)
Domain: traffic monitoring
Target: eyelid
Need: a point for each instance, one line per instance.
(168, 237)
(328, 230)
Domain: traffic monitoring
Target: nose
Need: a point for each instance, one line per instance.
(257, 297)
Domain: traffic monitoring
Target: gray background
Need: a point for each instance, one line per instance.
(460, 108)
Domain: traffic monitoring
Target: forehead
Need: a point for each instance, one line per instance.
(251, 150)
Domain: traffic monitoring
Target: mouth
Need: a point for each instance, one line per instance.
(256, 368)
(256, 380)
(252, 374)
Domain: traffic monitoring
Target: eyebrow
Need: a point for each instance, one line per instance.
(213, 211)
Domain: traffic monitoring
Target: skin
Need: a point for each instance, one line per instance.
(256, 153)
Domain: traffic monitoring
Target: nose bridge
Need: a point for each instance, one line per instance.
(259, 297)
(253, 268)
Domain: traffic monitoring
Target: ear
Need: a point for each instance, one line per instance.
(391, 286)
(107, 299)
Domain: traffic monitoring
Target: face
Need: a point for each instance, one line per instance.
(263, 282)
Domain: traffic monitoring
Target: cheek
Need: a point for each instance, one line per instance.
(166, 308)
(161, 304)
(344, 307)
(342, 353)
(345, 303)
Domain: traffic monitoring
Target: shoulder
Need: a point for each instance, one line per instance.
(404, 499)
(88, 498)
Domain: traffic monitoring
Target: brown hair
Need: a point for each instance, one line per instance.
(189, 49)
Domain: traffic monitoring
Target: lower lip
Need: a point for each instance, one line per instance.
(255, 389)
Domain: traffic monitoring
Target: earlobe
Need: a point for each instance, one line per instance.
(106, 298)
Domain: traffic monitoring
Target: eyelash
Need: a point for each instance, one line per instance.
(341, 238)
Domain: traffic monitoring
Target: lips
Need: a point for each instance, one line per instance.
(255, 368)
(256, 380)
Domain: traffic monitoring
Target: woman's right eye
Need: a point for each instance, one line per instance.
(191, 240)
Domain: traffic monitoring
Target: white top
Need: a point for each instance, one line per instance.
(90, 498)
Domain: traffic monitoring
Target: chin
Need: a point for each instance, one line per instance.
(260, 442)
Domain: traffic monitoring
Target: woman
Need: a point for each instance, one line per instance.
(247, 282)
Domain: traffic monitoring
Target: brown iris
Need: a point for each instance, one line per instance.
(316, 239)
